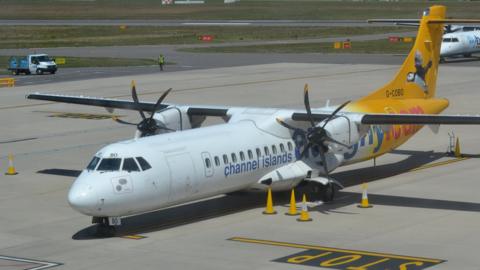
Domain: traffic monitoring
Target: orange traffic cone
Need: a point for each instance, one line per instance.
(304, 213)
(293, 205)
(269, 209)
(457, 152)
(364, 203)
(11, 170)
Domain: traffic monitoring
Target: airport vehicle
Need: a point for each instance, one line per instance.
(173, 160)
(32, 63)
(458, 40)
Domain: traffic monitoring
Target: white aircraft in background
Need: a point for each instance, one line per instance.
(458, 40)
(174, 160)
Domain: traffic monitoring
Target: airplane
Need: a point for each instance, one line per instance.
(458, 40)
(173, 159)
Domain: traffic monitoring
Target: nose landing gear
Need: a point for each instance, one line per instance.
(104, 227)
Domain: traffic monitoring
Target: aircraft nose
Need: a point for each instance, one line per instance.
(83, 198)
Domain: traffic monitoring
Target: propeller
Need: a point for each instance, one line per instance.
(317, 135)
(147, 126)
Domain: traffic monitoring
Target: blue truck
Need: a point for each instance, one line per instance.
(32, 63)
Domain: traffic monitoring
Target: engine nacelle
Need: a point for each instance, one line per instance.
(173, 118)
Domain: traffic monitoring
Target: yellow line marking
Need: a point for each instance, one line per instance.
(134, 237)
(302, 246)
(440, 163)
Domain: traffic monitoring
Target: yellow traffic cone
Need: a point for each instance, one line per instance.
(364, 203)
(304, 213)
(293, 205)
(11, 170)
(269, 209)
(457, 152)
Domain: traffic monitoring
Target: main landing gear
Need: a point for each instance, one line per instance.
(104, 228)
(324, 193)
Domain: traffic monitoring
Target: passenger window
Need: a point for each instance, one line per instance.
(109, 164)
(143, 163)
(259, 153)
(242, 156)
(207, 163)
(250, 154)
(130, 165)
(282, 148)
(93, 164)
(274, 149)
(225, 159)
(290, 146)
(267, 152)
(217, 161)
(234, 158)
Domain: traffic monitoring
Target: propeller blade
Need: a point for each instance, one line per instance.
(116, 119)
(334, 113)
(281, 122)
(306, 101)
(305, 149)
(159, 102)
(329, 139)
(135, 99)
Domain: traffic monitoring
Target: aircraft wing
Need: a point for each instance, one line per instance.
(125, 104)
(222, 111)
(419, 119)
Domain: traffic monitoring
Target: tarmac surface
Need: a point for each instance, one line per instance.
(426, 217)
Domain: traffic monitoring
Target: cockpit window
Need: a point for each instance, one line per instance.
(454, 39)
(91, 166)
(109, 164)
(447, 40)
(143, 163)
(130, 165)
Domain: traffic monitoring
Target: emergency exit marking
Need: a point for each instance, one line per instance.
(343, 259)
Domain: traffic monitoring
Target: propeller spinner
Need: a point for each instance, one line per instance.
(317, 136)
(147, 126)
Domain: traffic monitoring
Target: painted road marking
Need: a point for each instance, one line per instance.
(22, 263)
(336, 258)
(90, 116)
(440, 163)
(134, 237)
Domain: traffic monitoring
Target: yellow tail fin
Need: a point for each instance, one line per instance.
(417, 76)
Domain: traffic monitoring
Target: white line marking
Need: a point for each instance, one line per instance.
(216, 23)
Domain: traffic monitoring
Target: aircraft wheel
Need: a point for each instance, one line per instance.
(467, 55)
(325, 193)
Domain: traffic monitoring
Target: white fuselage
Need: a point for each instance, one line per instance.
(460, 43)
(198, 163)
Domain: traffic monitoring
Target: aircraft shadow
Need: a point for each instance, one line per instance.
(461, 60)
(349, 198)
(61, 172)
(242, 201)
(186, 214)
(414, 160)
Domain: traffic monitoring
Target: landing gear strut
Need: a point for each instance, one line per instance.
(103, 227)
(325, 193)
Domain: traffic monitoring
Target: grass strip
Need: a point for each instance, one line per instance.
(375, 46)
(216, 9)
(79, 36)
